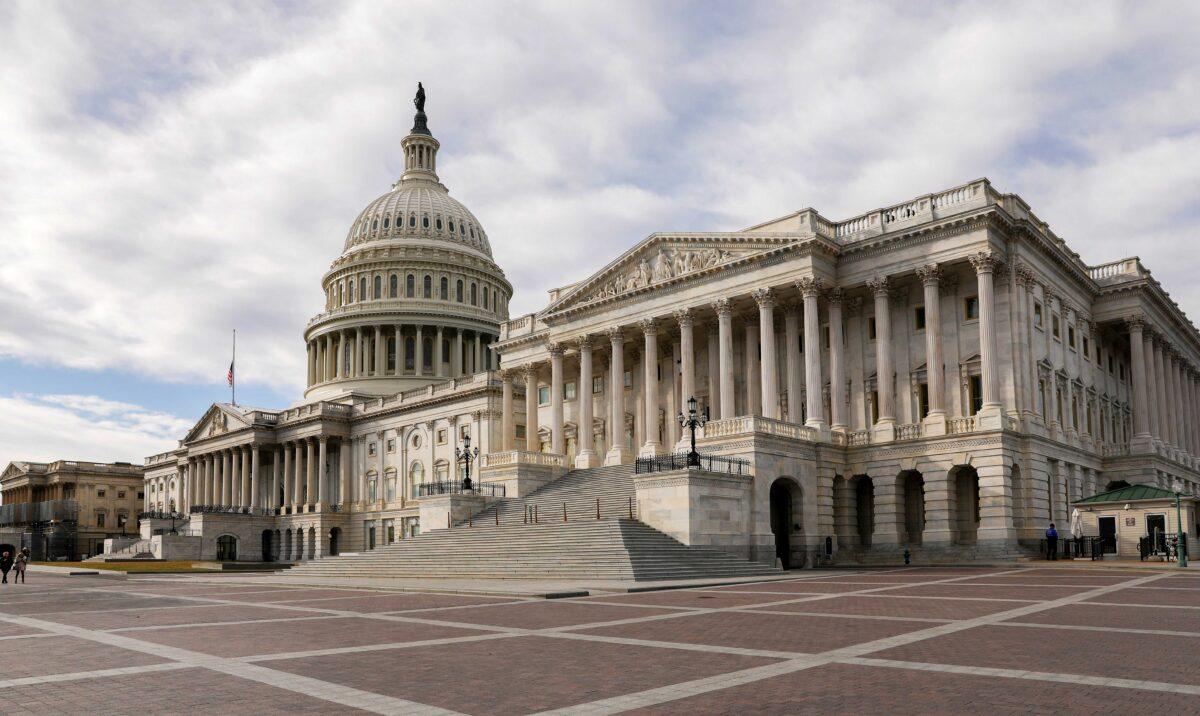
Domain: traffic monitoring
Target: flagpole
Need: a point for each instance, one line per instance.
(233, 372)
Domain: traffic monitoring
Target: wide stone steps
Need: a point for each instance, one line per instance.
(575, 493)
(602, 549)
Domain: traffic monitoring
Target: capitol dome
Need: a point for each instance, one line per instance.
(415, 297)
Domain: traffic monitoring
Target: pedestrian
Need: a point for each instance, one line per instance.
(22, 562)
(6, 563)
(1052, 543)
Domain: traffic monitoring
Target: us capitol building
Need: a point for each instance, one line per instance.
(944, 375)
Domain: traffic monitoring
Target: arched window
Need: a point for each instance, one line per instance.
(462, 229)
(485, 297)
(378, 287)
(391, 357)
(410, 286)
(458, 291)
(410, 352)
(495, 302)
(417, 473)
(427, 352)
(424, 222)
(451, 222)
(350, 291)
(412, 220)
(386, 221)
(362, 288)
(474, 294)
(428, 286)
(445, 288)
(439, 223)
(374, 224)
(393, 286)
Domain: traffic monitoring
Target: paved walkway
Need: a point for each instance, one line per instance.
(1036, 639)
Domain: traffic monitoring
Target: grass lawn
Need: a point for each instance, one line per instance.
(131, 567)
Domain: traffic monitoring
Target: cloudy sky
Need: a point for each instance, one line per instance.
(170, 171)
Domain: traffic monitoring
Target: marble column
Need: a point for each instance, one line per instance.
(247, 492)
(558, 440)
(507, 423)
(687, 357)
(886, 426)
(456, 360)
(935, 422)
(985, 263)
(310, 487)
(752, 369)
(380, 353)
(419, 352)
(618, 451)
(343, 496)
(311, 362)
(810, 289)
(322, 488)
(1160, 386)
(288, 476)
(586, 456)
(837, 371)
(766, 338)
(234, 495)
(532, 443)
(272, 501)
(477, 363)
(725, 339)
(652, 446)
(210, 479)
(1172, 379)
(298, 477)
(439, 367)
(714, 372)
(791, 340)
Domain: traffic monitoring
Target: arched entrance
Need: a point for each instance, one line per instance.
(1116, 485)
(335, 536)
(226, 548)
(787, 515)
(864, 501)
(287, 545)
(966, 503)
(912, 486)
(312, 542)
(268, 552)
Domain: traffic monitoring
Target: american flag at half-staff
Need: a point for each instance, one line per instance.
(229, 378)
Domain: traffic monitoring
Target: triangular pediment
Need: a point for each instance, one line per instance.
(217, 421)
(662, 260)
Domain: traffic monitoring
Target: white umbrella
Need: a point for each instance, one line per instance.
(1076, 523)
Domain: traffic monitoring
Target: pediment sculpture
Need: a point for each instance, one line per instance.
(665, 265)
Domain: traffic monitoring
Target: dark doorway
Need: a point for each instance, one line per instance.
(1156, 528)
(864, 491)
(226, 548)
(1108, 535)
(783, 520)
(335, 535)
(268, 552)
(1116, 485)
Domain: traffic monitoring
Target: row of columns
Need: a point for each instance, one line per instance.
(1166, 412)
(369, 355)
(763, 391)
(232, 477)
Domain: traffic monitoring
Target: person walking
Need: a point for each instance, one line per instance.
(1052, 543)
(20, 565)
(6, 563)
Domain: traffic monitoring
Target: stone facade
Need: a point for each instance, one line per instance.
(943, 375)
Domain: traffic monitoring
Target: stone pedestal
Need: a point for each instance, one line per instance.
(443, 511)
(520, 478)
(618, 455)
(698, 508)
(884, 432)
(934, 425)
(989, 417)
(587, 459)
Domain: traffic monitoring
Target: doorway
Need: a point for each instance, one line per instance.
(1156, 529)
(268, 552)
(226, 548)
(1108, 535)
(334, 537)
(786, 514)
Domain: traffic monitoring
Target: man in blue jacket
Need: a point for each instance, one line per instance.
(1052, 543)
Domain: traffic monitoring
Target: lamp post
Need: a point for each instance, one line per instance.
(465, 455)
(691, 421)
(1180, 535)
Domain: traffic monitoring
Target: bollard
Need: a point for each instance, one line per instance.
(907, 556)
(525, 517)
(497, 516)
(448, 525)
(564, 512)
(470, 522)
(631, 508)
(535, 521)
(597, 508)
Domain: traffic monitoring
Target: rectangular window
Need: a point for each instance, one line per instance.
(825, 335)
(99, 519)
(1037, 314)
(569, 392)
(874, 406)
(543, 395)
(100, 492)
(870, 330)
(628, 379)
(1110, 366)
(1055, 329)
(971, 308)
(923, 400)
(391, 445)
(1121, 371)
(141, 495)
(120, 494)
(800, 340)
(1075, 413)
(1042, 397)
(464, 432)
(598, 384)
(1086, 352)
(122, 519)
(1071, 336)
(976, 394)
(371, 449)
(919, 318)
(520, 432)
(441, 436)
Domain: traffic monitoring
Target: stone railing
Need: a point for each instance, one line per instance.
(1115, 450)
(955, 426)
(1124, 267)
(756, 424)
(912, 431)
(406, 305)
(858, 437)
(320, 409)
(839, 439)
(522, 457)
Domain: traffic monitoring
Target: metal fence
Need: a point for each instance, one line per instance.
(455, 487)
(1074, 548)
(30, 513)
(685, 460)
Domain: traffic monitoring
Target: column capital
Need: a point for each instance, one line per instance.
(763, 297)
(685, 317)
(853, 306)
(530, 370)
(507, 374)
(878, 285)
(930, 274)
(649, 326)
(583, 343)
(1025, 277)
(809, 286)
(555, 349)
(616, 334)
(985, 261)
(835, 295)
(723, 307)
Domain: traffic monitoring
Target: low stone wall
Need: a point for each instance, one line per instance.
(520, 479)
(698, 508)
(441, 511)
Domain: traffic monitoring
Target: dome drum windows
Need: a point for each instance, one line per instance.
(393, 286)
(428, 286)
(412, 221)
(378, 288)
(438, 223)
(362, 288)
(410, 286)
(425, 222)
(445, 286)
(458, 291)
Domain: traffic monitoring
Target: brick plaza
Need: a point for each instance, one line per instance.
(920, 640)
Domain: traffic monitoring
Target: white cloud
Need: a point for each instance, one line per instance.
(172, 174)
(41, 428)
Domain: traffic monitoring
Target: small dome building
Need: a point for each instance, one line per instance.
(415, 297)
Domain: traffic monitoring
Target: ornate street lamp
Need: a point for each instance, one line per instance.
(466, 455)
(1180, 535)
(691, 421)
